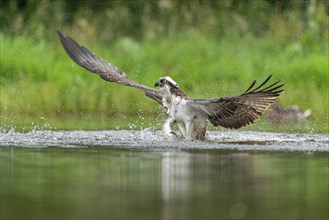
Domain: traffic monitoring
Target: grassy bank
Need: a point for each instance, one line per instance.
(38, 80)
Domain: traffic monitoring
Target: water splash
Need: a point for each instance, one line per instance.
(153, 140)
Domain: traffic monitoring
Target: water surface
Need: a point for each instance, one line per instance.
(143, 183)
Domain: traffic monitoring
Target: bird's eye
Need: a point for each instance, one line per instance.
(164, 81)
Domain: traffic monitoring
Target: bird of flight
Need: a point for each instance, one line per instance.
(190, 115)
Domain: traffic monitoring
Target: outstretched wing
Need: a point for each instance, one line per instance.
(239, 111)
(90, 61)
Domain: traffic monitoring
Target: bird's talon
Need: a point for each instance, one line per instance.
(173, 133)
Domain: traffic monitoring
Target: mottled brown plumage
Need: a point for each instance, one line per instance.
(189, 114)
(238, 111)
(90, 61)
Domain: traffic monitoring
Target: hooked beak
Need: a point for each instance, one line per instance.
(157, 84)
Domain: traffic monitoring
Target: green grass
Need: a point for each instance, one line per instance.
(38, 80)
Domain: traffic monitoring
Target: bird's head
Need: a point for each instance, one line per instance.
(166, 82)
(169, 87)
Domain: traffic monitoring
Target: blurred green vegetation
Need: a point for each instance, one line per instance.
(211, 48)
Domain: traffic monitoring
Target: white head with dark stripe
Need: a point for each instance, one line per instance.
(169, 87)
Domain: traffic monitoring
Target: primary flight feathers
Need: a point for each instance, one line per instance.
(90, 61)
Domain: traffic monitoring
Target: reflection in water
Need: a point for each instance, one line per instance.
(175, 173)
(102, 183)
(175, 184)
(218, 183)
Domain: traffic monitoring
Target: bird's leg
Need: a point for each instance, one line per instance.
(196, 128)
(182, 128)
(189, 130)
(167, 129)
(201, 134)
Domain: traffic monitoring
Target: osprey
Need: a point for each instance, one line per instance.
(190, 115)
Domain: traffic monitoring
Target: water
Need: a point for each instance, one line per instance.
(129, 181)
(153, 140)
